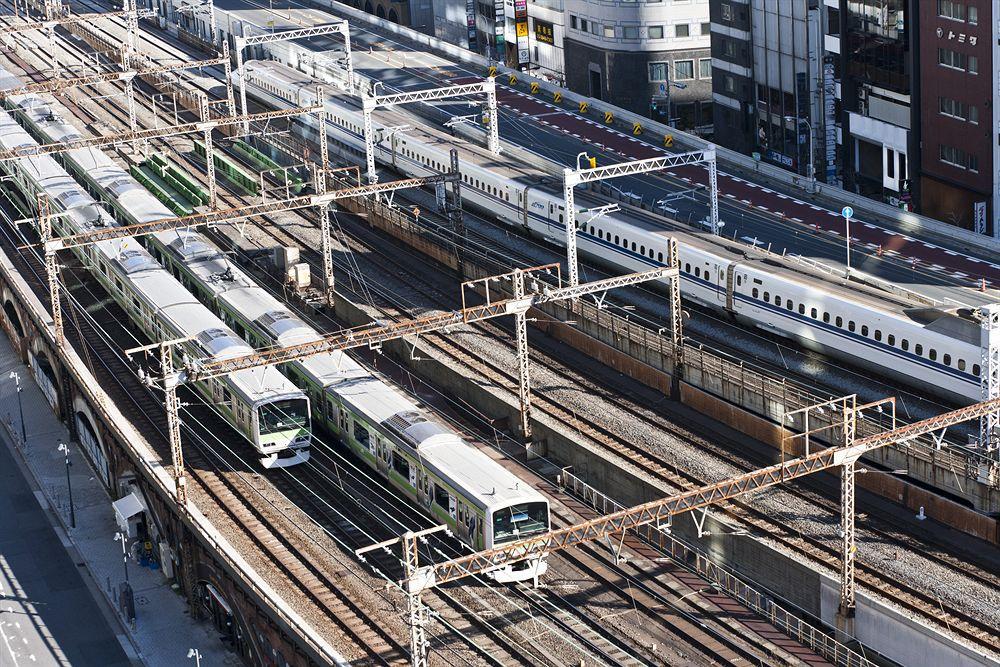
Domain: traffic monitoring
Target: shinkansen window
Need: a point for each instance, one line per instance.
(850, 325)
(697, 274)
(642, 249)
(975, 369)
(932, 354)
(633, 242)
(687, 269)
(905, 344)
(864, 329)
(918, 349)
(891, 339)
(659, 257)
(961, 364)
(946, 359)
(755, 292)
(813, 313)
(739, 280)
(826, 317)
(839, 322)
(591, 230)
(441, 496)
(878, 334)
(802, 309)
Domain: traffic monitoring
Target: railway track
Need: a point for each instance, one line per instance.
(638, 458)
(249, 516)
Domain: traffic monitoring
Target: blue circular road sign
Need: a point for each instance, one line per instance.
(847, 212)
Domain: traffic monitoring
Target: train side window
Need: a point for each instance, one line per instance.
(767, 297)
(739, 281)
(401, 465)
(642, 249)
(790, 305)
(659, 257)
(600, 233)
(441, 496)
(560, 217)
(946, 359)
(905, 344)
(633, 243)
(839, 322)
(697, 274)
(850, 325)
(624, 242)
(777, 300)
(878, 334)
(932, 354)
(864, 329)
(961, 364)
(802, 309)
(826, 317)
(975, 369)
(617, 240)
(362, 436)
(813, 313)
(918, 349)
(591, 230)
(687, 269)
(755, 292)
(891, 339)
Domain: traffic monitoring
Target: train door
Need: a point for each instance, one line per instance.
(731, 280)
(382, 455)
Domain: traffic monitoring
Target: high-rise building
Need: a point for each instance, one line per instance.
(650, 57)
(774, 88)
(959, 169)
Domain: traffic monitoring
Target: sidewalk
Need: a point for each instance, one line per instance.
(163, 633)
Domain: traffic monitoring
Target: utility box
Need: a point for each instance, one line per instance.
(285, 257)
(299, 276)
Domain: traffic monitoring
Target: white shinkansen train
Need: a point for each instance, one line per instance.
(934, 349)
(483, 503)
(261, 403)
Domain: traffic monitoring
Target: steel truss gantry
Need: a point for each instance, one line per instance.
(70, 19)
(150, 133)
(989, 425)
(580, 176)
(369, 103)
(659, 511)
(343, 27)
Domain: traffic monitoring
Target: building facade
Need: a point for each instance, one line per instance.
(652, 58)
(958, 178)
(773, 81)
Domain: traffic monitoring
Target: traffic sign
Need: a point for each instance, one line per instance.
(668, 140)
(534, 86)
(636, 128)
(557, 97)
(584, 107)
(847, 212)
(609, 117)
(513, 80)
(493, 70)
(663, 88)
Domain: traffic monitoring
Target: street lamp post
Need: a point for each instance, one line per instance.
(64, 448)
(812, 147)
(196, 655)
(120, 537)
(20, 408)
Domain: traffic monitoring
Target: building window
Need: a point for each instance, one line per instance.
(631, 32)
(950, 9)
(727, 11)
(609, 31)
(960, 61)
(729, 48)
(973, 16)
(682, 30)
(956, 109)
(705, 68)
(573, 23)
(956, 157)
(683, 70)
(706, 28)
(729, 84)
(595, 28)
(655, 32)
(583, 25)
(657, 71)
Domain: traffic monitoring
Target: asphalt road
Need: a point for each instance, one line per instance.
(47, 613)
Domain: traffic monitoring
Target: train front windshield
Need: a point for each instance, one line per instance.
(520, 521)
(289, 414)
